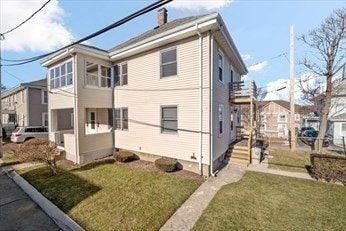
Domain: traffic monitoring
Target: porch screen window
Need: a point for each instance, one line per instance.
(169, 119)
(110, 117)
(92, 74)
(221, 119)
(105, 77)
(220, 67)
(121, 119)
(120, 74)
(169, 63)
(61, 76)
(98, 75)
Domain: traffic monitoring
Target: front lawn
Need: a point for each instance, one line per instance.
(289, 161)
(113, 196)
(262, 201)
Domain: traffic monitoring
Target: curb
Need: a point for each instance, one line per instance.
(58, 216)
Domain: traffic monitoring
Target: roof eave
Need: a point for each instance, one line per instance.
(72, 50)
(203, 23)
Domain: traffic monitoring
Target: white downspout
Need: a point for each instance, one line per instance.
(211, 127)
(75, 110)
(201, 99)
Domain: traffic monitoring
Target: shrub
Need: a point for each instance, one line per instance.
(168, 164)
(328, 167)
(39, 150)
(125, 156)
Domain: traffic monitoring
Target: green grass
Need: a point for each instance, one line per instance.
(10, 160)
(289, 161)
(113, 197)
(262, 201)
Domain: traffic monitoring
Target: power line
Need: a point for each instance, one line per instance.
(20, 24)
(97, 33)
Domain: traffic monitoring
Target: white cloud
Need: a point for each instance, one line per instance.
(44, 32)
(258, 66)
(196, 5)
(246, 57)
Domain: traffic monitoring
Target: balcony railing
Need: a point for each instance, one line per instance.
(242, 89)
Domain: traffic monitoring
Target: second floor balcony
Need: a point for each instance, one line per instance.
(242, 92)
(8, 107)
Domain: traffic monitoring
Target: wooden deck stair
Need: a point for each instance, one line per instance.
(238, 152)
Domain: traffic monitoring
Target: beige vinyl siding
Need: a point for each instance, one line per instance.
(146, 92)
(91, 145)
(221, 96)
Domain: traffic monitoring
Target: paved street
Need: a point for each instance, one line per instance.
(18, 212)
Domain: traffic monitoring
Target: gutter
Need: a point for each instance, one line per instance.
(201, 99)
(211, 71)
(75, 109)
(113, 109)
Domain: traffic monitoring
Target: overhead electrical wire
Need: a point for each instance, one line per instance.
(132, 16)
(26, 20)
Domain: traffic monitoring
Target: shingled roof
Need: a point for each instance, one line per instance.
(158, 30)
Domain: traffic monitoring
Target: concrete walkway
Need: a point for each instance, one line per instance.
(18, 211)
(187, 215)
(39, 208)
(263, 167)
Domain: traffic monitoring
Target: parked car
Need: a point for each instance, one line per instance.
(309, 137)
(304, 129)
(22, 134)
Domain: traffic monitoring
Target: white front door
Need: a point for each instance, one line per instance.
(92, 128)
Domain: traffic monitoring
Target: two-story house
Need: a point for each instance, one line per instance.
(25, 105)
(164, 93)
(274, 117)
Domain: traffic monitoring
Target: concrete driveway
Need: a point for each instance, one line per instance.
(18, 212)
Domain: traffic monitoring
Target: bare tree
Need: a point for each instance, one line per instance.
(329, 53)
(39, 150)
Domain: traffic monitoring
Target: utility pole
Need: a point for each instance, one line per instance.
(292, 103)
(2, 37)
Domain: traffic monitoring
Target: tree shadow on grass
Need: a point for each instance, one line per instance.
(289, 165)
(94, 164)
(65, 189)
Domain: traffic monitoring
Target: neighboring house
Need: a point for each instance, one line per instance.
(25, 105)
(337, 113)
(162, 93)
(274, 117)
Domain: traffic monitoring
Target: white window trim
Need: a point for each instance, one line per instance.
(99, 76)
(42, 96)
(161, 125)
(43, 119)
(176, 61)
(120, 74)
(341, 128)
(296, 117)
(279, 121)
(121, 119)
(66, 86)
(223, 67)
(222, 119)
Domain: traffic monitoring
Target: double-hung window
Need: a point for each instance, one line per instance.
(169, 119)
(121, 74)
(44, 96)
(168, 63)
(61, 76)
(121, 119)
(220, 63)
(98, 75)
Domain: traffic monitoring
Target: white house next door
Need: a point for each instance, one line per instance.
(92, 127)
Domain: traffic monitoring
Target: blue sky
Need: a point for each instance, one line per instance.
(260, 30)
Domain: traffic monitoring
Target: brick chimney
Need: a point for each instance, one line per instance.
(162, 16)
